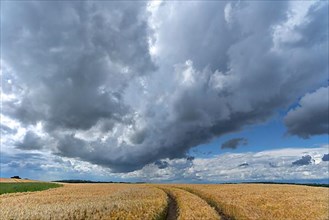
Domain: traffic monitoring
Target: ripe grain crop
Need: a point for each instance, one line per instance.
(150, 201)
(266, 201)
(190, 206)
(14, 180)
(86, 201)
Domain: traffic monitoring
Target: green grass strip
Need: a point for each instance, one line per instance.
(26, 187)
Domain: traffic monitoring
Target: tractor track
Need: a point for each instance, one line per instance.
(172, 212)
(219, 211)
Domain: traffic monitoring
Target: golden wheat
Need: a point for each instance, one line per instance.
(266, 201)
(149, 201)
(190, 206)
(86, 201)
(13, 180)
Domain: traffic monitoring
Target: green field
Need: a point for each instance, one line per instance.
(26, 187)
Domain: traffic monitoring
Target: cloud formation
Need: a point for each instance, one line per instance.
(305, 160)
(265, 165)
(234, 143)
(161, 164)
(273, 165)
(31, 141)
(325, 157)
(311, 116)
(124, 85)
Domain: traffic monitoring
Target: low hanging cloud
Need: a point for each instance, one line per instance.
(305, 160)
(273, 165)
(124, 85)
(325, 157)
(244, 165)
(311, 116)
(234, 143)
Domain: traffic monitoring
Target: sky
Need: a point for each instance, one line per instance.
(165, 91)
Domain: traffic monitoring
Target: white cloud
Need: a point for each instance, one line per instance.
(228, 13)
(262, 166)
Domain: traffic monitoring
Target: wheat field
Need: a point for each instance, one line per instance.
(169, 202)
(86, 201)
(266, 201)
(190, 206)
(12, 180)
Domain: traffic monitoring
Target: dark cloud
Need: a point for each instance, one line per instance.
(33, 166)
(161, 164)
(244, 165)
(234, 143)
(83, 70)
(311, 116)
(14, 164)
(190, 158)
(305, 160)
(31, 141)
(325, 157)
(75, 59)
(22, 163)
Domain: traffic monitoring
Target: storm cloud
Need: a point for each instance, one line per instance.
(311, 116)
(123, 85)
(234, 143)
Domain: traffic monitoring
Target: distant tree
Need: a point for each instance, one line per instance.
(15, 177)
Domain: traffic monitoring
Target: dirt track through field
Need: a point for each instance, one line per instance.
(172, 208)
(222, 215)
